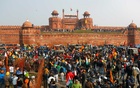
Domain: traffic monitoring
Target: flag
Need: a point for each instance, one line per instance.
(6, 62)
(69, 78)
(69, 82)
(21, 63)
(111, 77)
(39, 75)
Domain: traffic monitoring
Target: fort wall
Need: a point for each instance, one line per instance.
(83, 38)
(70, 38)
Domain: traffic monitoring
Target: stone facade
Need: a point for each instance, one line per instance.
(32, 34)
(70, 22)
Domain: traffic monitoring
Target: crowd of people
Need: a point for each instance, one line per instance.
(73, 66)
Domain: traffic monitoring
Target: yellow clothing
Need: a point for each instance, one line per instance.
(46, 71)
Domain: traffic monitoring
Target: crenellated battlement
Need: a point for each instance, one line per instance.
(108, 27)
(10, 27)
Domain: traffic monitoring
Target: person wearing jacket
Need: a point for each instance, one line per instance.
(7, 80)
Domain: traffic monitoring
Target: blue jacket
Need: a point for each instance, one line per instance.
(2, 78)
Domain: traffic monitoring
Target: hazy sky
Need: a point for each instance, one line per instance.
(103, 12)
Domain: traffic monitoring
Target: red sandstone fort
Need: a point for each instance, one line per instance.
(69, 30)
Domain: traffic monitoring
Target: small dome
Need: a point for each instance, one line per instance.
(54, 12)
(27, 24)
(86, 13)
(132, 25)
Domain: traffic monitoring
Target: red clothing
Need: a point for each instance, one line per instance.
(69, 75)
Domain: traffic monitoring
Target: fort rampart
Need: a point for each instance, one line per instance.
(51, 38)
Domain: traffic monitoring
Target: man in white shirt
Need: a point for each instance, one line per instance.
(14, 81)
(136, 72)
(51, 78)
(11, 68)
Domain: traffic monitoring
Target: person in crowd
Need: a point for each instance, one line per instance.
(2, 82)
(7, 80)
(53, 84)
(69, 78)
(88, 84)
(32, 82)
(75, 74)
(46, 76)
(62, 76)
(83, 78)
(97, 62)
(19, 72)
(11, 68)
(136, 72)
(51, 77)
(76, 84)
(26, 83)
(14, 80)
(26, 73)
(19, 82)
(3, 68)
(55, 72)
